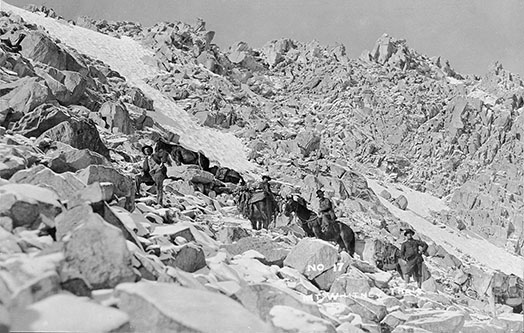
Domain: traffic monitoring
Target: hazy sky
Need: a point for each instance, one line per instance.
(472, 34)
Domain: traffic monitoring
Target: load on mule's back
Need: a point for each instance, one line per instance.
(182, 155)
(259, 204)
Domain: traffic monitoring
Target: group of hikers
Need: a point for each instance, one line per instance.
(154, 172)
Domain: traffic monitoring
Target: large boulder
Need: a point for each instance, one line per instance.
(68, 313)
(352, 282)
(29, 205)
(260, 298)
(370, 310)
(274, 252)
(170, 308)
(124, 186)
(69, 220)
(41, 119)
(312, 257)
(14, 158)
(67, 87)
(72, 159)
(25, 280)
(286, 319)
(116, 117)
(65, 184)
(297, 281)
(188, 257)
(97, 252)
(24, 95)
(78, 133)
(37, 46)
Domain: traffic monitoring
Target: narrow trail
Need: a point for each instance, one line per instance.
(125, 56)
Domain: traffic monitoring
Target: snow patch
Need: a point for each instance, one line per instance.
(459, 244)
(125, 56)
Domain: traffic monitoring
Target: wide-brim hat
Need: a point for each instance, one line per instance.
(144, 149)
(409, 231)
(320, 192)
(266, 177)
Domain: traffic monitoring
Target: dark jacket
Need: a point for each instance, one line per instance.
(410, 251)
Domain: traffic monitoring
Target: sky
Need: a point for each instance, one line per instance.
(472, 34)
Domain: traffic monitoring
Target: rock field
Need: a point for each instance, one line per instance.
(80, 252)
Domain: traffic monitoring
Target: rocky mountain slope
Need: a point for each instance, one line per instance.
(78, 100)
(413, 117)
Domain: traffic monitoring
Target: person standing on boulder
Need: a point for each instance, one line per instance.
(144, 177)
(411, 251)
(158, 171)
(154, 171)
(327, 213)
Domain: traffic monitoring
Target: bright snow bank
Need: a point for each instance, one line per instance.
(125, 56)
(455, 242)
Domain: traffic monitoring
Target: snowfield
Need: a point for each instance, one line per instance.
(126, 56)
(455, 242)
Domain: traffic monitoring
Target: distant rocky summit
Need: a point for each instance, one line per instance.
(381, 135)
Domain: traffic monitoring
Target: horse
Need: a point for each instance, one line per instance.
(227, 175)
(337, 232)
(257, 207)
(183, 155)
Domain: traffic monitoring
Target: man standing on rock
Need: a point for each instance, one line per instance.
(154, 170)
(327, 213)
(411, 251)
(144, 177)
(158, 170)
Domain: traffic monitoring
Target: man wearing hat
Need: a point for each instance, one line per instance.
(154, 171)
(266, 188)
(411, 251)
(144, 177)
(327, 212)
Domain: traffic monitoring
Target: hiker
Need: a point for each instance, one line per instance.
(327, 213)
(411, 251)
(144, 177)
(266, 188)
(154, 170)
(158, 170)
